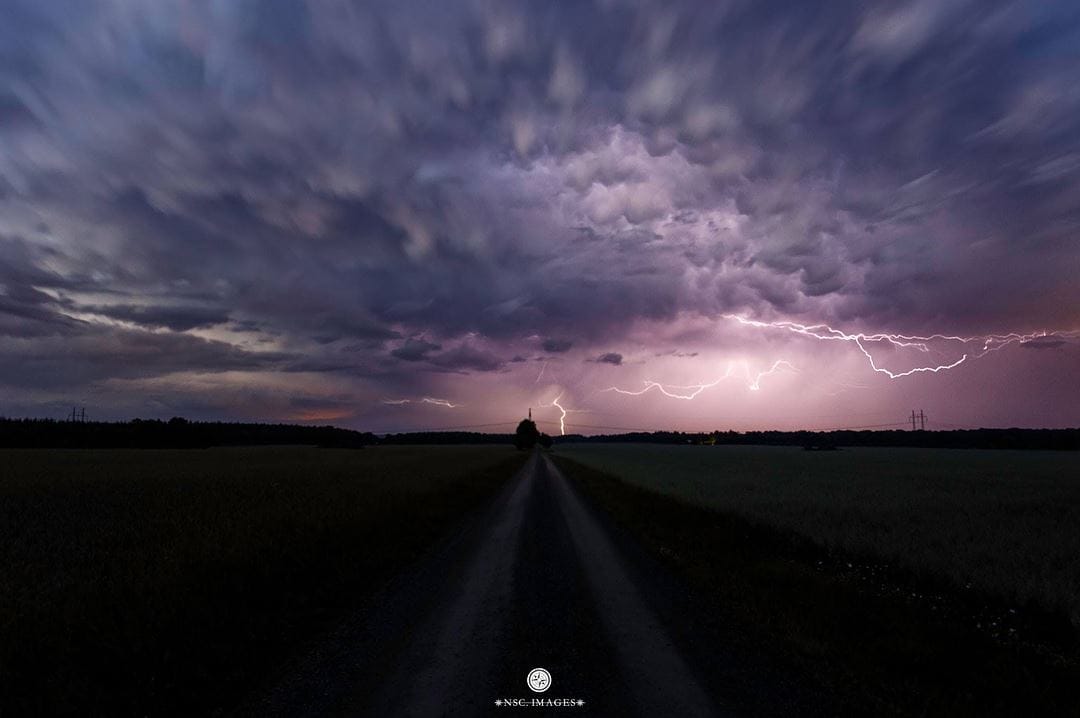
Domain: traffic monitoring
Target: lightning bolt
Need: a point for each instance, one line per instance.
(675, 391)
(424, 400)
(563, 411)
(562, 417)
(755, 385)
(989, 342)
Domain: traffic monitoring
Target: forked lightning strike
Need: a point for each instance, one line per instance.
(753, 382)
(423, 400)
(562, 416)
(564, 411)
(989, 342)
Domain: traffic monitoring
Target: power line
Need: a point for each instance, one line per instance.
(939, 422)
(864, 426)
(611, 428)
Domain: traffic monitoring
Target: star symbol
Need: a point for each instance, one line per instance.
(498, 702)
(580, 702)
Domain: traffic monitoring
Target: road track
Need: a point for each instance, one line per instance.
(538, 579)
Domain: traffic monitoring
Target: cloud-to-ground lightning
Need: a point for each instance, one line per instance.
(554, 403)
(691, 391)
(562, 417)
(989, 342)
(423, 400)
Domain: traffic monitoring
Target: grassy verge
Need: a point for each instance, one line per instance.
(168, 582)
(876, 651)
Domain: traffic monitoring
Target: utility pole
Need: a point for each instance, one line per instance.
(913, 420)
(922, 420)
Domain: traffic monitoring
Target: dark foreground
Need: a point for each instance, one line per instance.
(867, 638)
(431, 581)
(173, 582)
(539, 581)
(641, 605)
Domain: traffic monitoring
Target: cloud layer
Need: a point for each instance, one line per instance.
(302, 211)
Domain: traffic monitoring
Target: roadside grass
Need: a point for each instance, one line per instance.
(1003, 523)
(149, 582)
(865, 652)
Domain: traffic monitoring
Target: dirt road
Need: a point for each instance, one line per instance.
(538, 580)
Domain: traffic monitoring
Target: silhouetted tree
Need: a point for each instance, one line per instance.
(526, 435)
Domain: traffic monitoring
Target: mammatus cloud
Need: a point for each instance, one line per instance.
(305, 210)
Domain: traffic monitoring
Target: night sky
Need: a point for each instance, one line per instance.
(396, 215)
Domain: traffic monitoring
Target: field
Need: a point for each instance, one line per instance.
(150, 581)
(1002, 522)
(892, 580)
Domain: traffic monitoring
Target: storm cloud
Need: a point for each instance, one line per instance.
(613, 358)
(380, 199)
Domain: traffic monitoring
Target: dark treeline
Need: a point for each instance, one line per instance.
(181, 433)
(177, 433)
(1047, 439)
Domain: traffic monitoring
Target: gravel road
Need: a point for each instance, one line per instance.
(538, 579)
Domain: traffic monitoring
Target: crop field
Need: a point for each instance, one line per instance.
(1001, 522)
(149, 581)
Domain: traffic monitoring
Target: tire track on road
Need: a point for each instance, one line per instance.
(655, 673)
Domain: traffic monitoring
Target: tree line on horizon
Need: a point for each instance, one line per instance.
(176, 433)
(182, 433)
(1013, 438)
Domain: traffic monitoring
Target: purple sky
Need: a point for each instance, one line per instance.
(396, 215)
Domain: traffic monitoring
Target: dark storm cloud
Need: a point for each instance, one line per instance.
(556, 346)
(323, 179)
(176, 318)
(91, 356)
(415, 350)
(467, 358)
(609, 358)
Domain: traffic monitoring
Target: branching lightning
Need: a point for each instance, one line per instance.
(563, 411)
(423, 400)
(989, 342)
(691, 391)
(963, 349)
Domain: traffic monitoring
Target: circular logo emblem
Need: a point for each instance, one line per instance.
(538, 680)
